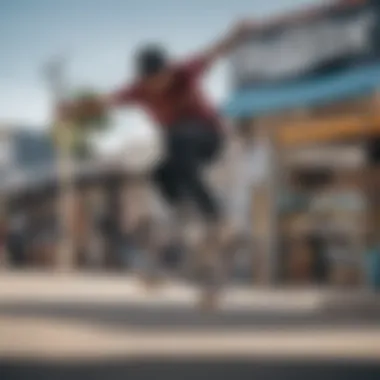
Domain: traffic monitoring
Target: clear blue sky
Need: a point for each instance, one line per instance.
(99, 37)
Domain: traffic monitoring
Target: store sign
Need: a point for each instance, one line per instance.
(326, 42)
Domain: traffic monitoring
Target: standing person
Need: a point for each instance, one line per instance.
(16, 240)
(170, 92)
(248, 159)
(3, 239)
(244, 170)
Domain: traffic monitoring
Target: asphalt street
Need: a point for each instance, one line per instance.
(191, 369)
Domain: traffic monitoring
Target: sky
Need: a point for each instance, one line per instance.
(98, 38)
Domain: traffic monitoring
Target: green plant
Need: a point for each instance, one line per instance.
(90, 117)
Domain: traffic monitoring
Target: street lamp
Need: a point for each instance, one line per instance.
(54, 73)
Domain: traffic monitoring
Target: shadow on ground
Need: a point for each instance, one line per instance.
(120, 315)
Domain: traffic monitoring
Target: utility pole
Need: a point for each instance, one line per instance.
(55, 75)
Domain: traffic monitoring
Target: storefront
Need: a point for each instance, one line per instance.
(309, 84)
(105, 205)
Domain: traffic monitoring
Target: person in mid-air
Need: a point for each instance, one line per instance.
(193, 132)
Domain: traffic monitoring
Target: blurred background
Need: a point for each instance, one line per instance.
(76, 203)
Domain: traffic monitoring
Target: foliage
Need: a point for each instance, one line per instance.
(90, 113)
(89, 116)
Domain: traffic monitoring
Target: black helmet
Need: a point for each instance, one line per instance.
(150, 60)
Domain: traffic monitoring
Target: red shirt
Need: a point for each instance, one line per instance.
(183, 99)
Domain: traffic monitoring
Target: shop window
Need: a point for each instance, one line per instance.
(373, 151)
(312, 179)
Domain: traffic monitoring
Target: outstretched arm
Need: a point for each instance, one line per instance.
(201, 62)
(123, 96)
(87, 107)
(229, 41)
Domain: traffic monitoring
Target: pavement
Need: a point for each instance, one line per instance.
(82, 326)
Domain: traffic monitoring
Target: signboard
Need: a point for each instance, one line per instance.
(324, 42)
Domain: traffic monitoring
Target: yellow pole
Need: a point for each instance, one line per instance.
(65, 167)
(65, 259)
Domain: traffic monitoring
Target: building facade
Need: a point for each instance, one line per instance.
(319, 108)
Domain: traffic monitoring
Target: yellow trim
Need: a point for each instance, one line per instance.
(328, 129)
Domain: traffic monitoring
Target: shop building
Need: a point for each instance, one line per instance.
(308, 85)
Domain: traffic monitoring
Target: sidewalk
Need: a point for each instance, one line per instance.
(86, 317)
(105, 289)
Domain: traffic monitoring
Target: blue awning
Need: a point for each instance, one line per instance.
(257, 101)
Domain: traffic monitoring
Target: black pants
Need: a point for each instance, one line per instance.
(190, 147)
